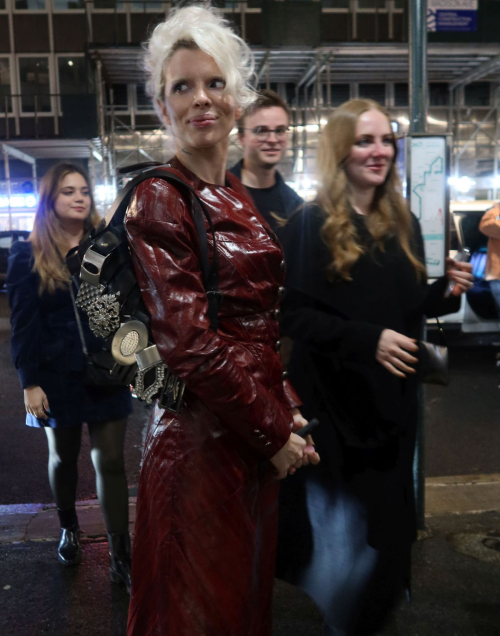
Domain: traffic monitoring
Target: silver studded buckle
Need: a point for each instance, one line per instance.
(104, 315)
(148, 360)
(87, 294)
(130, 339)
(169, 387)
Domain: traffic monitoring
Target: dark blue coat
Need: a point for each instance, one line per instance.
(47, 350)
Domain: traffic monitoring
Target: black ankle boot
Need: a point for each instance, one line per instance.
(120, 559)
(68, 550)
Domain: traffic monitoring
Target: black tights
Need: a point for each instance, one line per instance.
(106, 442)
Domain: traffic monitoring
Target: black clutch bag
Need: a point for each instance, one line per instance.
(432, 365)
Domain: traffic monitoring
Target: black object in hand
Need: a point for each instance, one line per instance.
(308, 428)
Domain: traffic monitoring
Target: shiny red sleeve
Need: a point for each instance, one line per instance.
(291, 398)
(163, 242)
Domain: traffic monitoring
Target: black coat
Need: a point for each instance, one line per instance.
(47, 351)
(290, 199)
(368, 416)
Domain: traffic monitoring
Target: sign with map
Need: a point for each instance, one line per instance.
(428, 193)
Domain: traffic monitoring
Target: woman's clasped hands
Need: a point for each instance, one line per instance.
(297, 452)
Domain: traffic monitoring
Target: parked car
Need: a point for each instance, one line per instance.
(7, 239)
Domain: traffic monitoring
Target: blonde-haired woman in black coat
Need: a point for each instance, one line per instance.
(356, 295)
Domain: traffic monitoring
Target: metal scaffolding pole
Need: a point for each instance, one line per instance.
(418, 65)
(319, 97)
(329, 85)
(497, 132)
(102, 123)
(418, 124)
(7, 179)
(295, 133)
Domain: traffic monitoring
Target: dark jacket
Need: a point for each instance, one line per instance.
(291, 200)
(335, 327)
(368, 418)
(47, 351)
(207, 500)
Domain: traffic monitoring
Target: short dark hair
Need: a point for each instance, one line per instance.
(265, 99)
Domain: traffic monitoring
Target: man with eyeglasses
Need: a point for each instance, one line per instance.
(263, 132)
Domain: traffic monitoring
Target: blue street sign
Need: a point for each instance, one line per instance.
(452, 15)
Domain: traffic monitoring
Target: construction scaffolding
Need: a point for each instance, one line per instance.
(314, 82)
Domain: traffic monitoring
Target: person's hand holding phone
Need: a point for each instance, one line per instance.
(459, 274)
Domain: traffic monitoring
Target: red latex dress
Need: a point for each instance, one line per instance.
(205, 533)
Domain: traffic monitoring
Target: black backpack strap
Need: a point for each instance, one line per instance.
(210, 272)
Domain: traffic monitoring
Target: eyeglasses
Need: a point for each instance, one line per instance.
(262, 132)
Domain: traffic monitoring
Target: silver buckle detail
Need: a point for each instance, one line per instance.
(104, 315)
(130, 338)
(92, 265)
(169, 386)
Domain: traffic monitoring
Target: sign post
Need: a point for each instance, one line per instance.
(427, 172)
(424, 174)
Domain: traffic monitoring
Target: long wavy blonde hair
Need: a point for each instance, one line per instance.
(47, 237)
(389, 215)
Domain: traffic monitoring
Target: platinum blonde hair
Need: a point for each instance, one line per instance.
(200, 26)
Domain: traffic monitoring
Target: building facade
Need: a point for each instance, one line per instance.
(71, 83)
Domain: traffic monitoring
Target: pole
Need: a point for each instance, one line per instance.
(35, 178)
(319, 95)
(329, 86)
(418, 65)
(497, 132)
(7, 179)
(102, 123)
(417, 29)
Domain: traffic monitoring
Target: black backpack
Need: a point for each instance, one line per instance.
(109, 293)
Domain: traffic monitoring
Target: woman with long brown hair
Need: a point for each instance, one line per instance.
(356, 295)
(48, 355)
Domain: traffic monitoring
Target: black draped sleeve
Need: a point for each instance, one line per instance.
(307, 315)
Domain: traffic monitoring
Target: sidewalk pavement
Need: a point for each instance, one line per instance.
(456, 572)
(465, 494)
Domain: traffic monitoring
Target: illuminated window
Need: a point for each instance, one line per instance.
(73, 75)
(35, 84)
